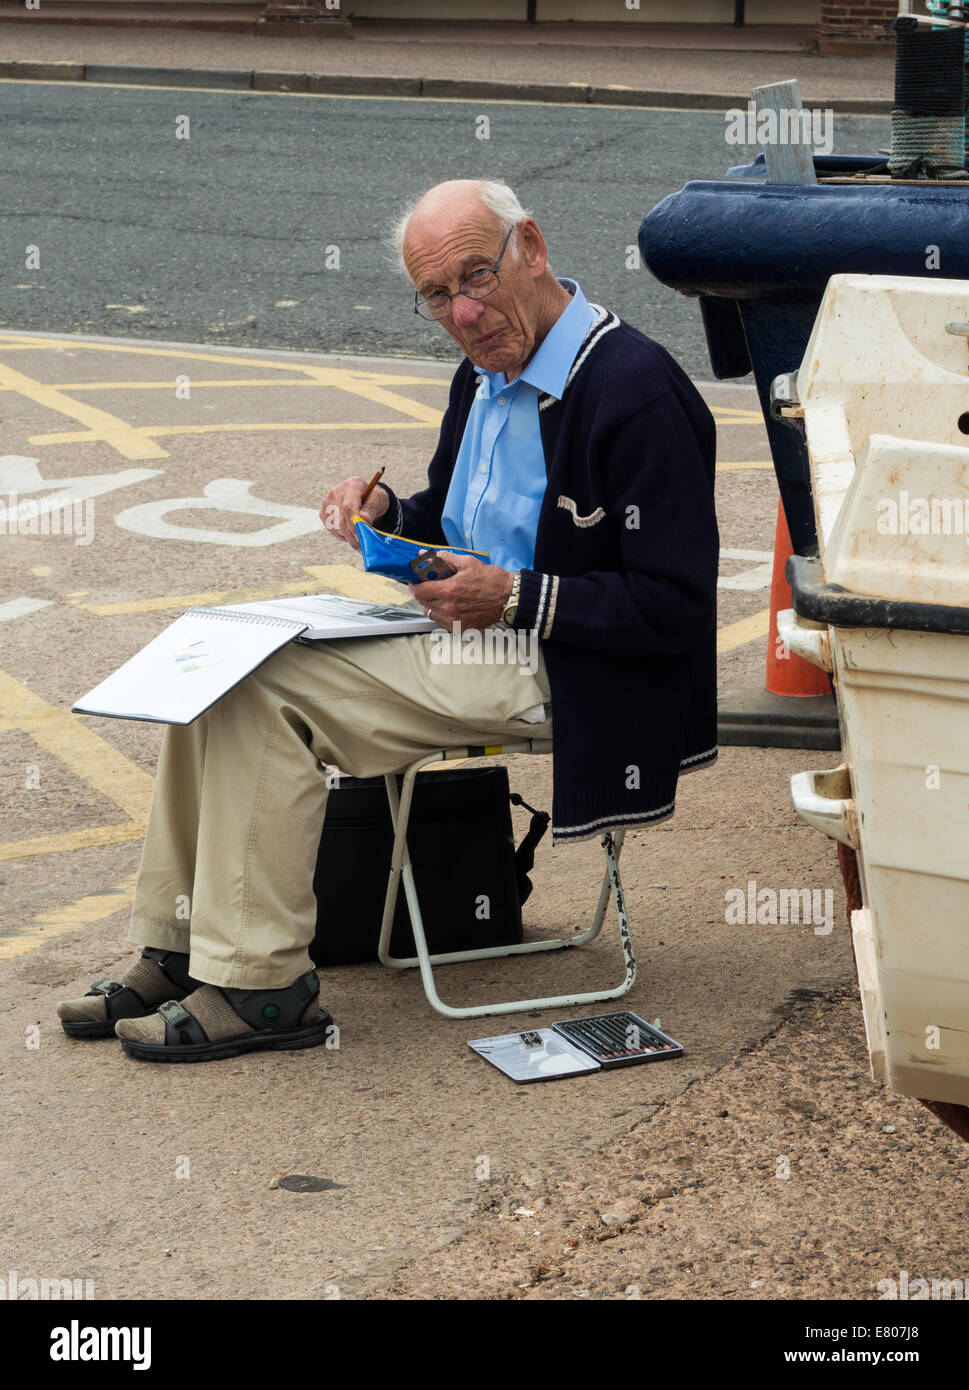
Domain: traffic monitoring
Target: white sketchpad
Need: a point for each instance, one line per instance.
(208, 651)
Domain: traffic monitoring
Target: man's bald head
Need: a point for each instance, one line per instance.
(467, 227)
(456, 200)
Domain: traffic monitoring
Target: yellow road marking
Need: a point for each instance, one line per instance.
(72, 743)
(26, 342)
(736, 415)
(61, 920)
(746, 630)
(344, 579)
(171, 386)
(357, 584)
(203, 600)
(197, 382)
(368, 386)
(23, 341)
(372, 391)
(741, 467)
(157, 431)
(129, 443)
(72, 839)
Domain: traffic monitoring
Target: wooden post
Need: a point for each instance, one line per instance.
(788, 160)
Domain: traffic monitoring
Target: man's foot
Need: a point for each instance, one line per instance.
(156, 976)
(214, 1023)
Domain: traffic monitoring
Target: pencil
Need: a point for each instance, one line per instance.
(371, 485)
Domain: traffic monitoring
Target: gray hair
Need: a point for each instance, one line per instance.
(497, 197)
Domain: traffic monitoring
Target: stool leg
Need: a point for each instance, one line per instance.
(613, 848)
(402, 868)
(400, 857)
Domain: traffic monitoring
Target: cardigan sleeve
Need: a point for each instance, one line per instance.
(659, 599)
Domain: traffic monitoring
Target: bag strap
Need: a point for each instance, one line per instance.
(525, 853)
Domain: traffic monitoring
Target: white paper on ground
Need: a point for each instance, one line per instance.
(556, 1056)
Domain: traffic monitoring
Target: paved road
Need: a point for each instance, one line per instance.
(222, 237)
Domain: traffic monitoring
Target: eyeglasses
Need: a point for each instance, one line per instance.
(478, 285)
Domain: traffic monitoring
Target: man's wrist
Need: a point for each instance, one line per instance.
(381, 500)
(391, 518)
(509, 611)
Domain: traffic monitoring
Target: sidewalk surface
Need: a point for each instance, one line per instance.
(697, 63)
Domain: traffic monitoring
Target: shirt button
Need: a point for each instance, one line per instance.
(502, 400)
(483, 468)
(467, 535)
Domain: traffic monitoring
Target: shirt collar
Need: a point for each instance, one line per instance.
(549, 369)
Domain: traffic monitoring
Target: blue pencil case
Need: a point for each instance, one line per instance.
(391, 556)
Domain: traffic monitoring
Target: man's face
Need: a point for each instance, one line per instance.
(497, 333)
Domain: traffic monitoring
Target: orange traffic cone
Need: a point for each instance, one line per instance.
(787, 673)
(770, 717)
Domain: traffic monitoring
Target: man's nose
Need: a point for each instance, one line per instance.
(466, 312)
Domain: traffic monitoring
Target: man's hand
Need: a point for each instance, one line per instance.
(474, 597)
(342, 502)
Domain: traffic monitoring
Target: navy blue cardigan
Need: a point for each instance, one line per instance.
(623, 593)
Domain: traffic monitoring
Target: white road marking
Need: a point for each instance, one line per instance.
(757, 578)
(20, 607)
(225, 495)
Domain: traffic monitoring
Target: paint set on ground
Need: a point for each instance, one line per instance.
(577, 1046)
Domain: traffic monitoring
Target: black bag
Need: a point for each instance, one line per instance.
(471, 881)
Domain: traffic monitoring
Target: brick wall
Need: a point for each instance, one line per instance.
(856, 26)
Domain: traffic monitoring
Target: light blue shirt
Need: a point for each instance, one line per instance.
(499, 477)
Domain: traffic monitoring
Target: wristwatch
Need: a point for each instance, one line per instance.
(510, 611)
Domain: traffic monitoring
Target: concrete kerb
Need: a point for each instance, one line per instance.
(235, 79)
(431, 88)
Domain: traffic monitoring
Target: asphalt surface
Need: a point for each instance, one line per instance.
(226, 236)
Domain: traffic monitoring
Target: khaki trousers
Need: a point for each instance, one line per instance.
(240, 795)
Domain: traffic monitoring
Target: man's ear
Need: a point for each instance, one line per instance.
(531, 247)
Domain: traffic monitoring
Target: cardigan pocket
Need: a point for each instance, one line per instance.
(591, 519)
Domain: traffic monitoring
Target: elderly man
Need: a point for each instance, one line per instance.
(578, 455)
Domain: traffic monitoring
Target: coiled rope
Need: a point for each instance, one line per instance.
(957, 10)
(929, 115)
